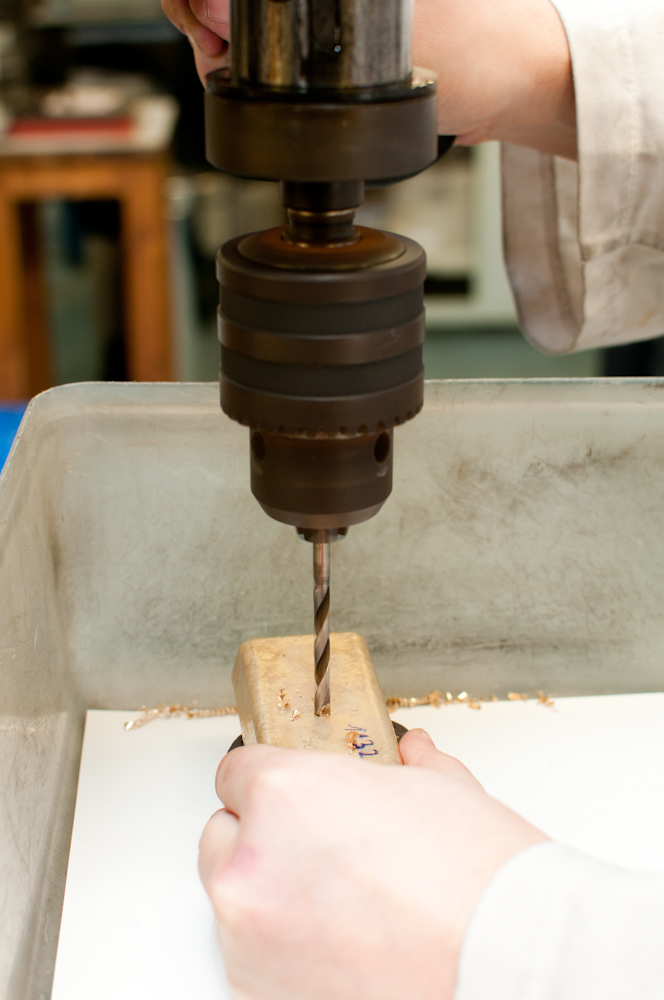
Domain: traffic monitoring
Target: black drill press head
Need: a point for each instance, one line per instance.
(321, 322)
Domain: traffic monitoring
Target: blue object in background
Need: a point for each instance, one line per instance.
(10, 418)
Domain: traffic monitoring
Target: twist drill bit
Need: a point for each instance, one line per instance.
(322, 622)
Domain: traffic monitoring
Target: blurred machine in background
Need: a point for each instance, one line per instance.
(452, 210)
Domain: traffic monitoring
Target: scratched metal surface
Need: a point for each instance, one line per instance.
(523, 548)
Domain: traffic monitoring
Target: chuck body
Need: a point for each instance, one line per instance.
(321, 365)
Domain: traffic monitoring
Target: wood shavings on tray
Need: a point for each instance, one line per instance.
(438, 698)
(170, 711)
(435, 698)
(542, 698)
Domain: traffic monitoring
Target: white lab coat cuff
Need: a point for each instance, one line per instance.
(517, 933)
(584, 245)
(554, 924)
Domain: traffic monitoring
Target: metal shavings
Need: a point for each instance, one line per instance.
(281, 700)
(435, 698)
(170, 711)
(324, 712)
(353, 740)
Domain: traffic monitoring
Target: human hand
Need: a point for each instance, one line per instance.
(333, 878)
(206, 23)
(504, 71)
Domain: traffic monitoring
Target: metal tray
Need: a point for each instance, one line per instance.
(523, 548)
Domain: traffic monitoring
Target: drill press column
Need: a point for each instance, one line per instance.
(321, 322)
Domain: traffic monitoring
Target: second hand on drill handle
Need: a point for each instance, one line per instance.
(322, 623)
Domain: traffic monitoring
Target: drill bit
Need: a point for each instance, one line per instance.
(322, 621)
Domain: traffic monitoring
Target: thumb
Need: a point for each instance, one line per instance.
(418, 750)
(216, 847)
(213, 12)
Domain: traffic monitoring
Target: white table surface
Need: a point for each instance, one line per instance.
(136, 922)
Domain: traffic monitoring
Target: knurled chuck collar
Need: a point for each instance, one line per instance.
(333, 353)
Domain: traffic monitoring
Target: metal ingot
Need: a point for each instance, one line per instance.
(274, 688)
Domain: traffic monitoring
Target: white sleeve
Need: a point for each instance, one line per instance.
(554, 924)
(584, 245)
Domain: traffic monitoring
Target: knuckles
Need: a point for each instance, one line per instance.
(266, 778)
(247, 907)
(274, 788)
(211, 12)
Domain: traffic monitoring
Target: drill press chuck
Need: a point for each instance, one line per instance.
(321, 365)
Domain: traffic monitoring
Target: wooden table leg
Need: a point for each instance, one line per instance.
(146, 285)
(35, 301)
(14, 363)
(139, 185)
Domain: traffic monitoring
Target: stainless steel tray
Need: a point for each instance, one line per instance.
(522, 549)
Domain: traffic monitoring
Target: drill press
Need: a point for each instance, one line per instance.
(321, 321)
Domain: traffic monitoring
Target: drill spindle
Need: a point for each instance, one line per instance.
(322, 622)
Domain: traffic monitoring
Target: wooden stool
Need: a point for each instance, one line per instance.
(137, 182)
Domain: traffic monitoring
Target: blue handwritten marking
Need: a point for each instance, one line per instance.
(361, 747)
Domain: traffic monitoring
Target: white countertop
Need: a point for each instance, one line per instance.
(136, 921)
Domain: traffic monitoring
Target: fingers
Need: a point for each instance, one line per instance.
(205, 28)
(237, 771)
(216, 845)
(205, 65)
(213, 12)
(208, 42)
(418, 750)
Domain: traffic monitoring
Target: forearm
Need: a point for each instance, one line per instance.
(556, 924)
(504, 72)
(585, 248)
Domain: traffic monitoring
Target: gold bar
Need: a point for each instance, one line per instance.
(275, 686)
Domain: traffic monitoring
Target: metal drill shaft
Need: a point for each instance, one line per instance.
(322, 622)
